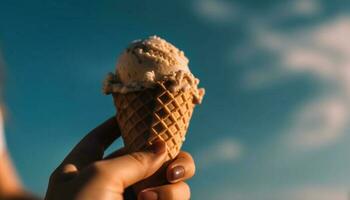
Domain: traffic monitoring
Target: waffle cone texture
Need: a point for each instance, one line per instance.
(154, 113)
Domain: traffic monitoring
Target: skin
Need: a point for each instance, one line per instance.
(10, 186)
(86, 174)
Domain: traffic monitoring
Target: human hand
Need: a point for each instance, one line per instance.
(85, 174)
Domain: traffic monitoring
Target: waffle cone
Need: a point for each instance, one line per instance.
(147, 115)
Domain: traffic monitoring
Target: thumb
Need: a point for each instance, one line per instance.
(132, 168)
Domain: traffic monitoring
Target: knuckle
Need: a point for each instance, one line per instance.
(186, 187)
(183, 189)
(186, 155)
(191, 165)
(172, 194)
(187, 190)
(139, 158)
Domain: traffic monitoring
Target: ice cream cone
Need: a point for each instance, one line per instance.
(154, 113)
(155, 94)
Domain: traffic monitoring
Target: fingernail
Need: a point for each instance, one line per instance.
(177, 173)
(148, 195)
(158, 147)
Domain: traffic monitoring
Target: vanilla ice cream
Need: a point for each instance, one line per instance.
(146, 62)
(150, 60)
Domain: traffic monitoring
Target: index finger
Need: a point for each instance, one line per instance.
(93, 145)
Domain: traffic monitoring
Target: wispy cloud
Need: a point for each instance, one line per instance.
(216, 10)
(292, 193)
(318, 123)
(325, 52)
(228, 12)
(322, 52)
(225, 150)
(319, 193)
(306, 7)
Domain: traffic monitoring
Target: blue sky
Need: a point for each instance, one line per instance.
(274, 121)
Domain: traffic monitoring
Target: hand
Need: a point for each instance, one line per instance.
(85, 174)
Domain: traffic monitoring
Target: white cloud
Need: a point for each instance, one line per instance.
(225, 150)
(306, 7)
(215, 10)
(293, 193)
(228, 12)
(318, 123)
(322, 52)
(326, 52)
(320, 193)
(262, 78)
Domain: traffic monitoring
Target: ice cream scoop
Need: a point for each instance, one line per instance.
(150, 60)
(147, 62)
